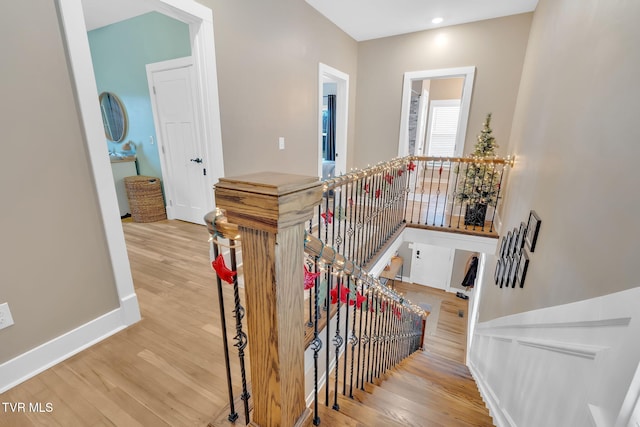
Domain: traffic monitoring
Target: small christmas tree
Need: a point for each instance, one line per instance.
(479, 183)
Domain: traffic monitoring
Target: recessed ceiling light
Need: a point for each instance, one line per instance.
(437, 20)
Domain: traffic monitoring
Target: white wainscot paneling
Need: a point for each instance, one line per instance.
(568, 365)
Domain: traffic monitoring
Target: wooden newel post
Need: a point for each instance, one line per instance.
(270, 210)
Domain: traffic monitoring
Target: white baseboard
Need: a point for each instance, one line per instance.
(36, 360)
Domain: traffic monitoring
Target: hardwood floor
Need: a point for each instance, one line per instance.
(164, 370)
(168, 369)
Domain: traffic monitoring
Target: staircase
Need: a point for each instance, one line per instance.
(402, 384)
(423, 390)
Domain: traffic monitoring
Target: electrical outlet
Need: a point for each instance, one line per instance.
(281, 142)
(5, 316)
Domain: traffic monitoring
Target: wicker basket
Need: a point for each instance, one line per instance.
(145, 198)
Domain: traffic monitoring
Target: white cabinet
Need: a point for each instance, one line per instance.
(122, 168)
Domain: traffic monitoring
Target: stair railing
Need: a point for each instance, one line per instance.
(270, 210)
(460, 194)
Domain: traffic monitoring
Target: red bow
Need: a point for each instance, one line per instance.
(389, 178)
(309, 278)
(350, 202)
(378, 193)
(327, 217)
(400, 172)
(366, 188)
(344, 293)
(397, 312)
(359, 300)
(222, 271)
(411, 166)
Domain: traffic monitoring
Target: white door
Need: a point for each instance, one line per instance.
(175, 103)
(431, 265)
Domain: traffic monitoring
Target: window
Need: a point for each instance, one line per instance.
(443, 128)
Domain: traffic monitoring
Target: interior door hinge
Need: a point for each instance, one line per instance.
(204, 171)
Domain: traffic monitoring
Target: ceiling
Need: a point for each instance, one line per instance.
(371, 19)
(361, 19)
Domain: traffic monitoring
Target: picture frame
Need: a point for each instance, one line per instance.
(508, 238)
(503, 245)
(523, 266)
(533, 228)
(504, 280)
(497, 275)
(514, 241)
(521, 236)
(513, 272)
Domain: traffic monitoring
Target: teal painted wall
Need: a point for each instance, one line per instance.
(120, 53)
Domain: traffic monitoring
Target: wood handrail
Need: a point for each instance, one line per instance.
(509, 160)
(357, 174)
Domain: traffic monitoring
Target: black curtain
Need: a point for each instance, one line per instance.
(331, 128)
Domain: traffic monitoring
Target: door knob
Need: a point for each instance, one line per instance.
(197, 160)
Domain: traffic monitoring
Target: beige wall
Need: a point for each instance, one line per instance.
(280, 44)
(576, 117)
(495, 47)
(55, 270)
(440, 89)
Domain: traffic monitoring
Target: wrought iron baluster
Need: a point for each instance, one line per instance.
(464, 186)
(310, 321)
(330, 281)
(455, 189)
(316, 345)
(241, 336)
(495, 209)
(446, 194)
(415, 183)
(440, 169)
(426, 217)
(337, 342)
(353, 340)
(364, 339)
(233, 415)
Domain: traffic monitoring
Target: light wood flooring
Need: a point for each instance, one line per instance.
(168, 369)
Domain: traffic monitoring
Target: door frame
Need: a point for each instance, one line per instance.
(327, 74)
(173, 64)
(74, 34)
(467, 73)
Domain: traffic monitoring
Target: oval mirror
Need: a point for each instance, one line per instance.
(114, 117)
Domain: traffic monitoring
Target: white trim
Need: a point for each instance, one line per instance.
(342, 115)
(467, 72)
(34, 361)
(200, 19)
(82, 71)
(594, 340)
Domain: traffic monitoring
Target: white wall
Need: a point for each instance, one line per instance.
(569, 365)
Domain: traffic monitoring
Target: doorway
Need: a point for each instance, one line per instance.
(174, 97)
(333, 113)
(200, 21)
(441, 85)
(431, 266)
